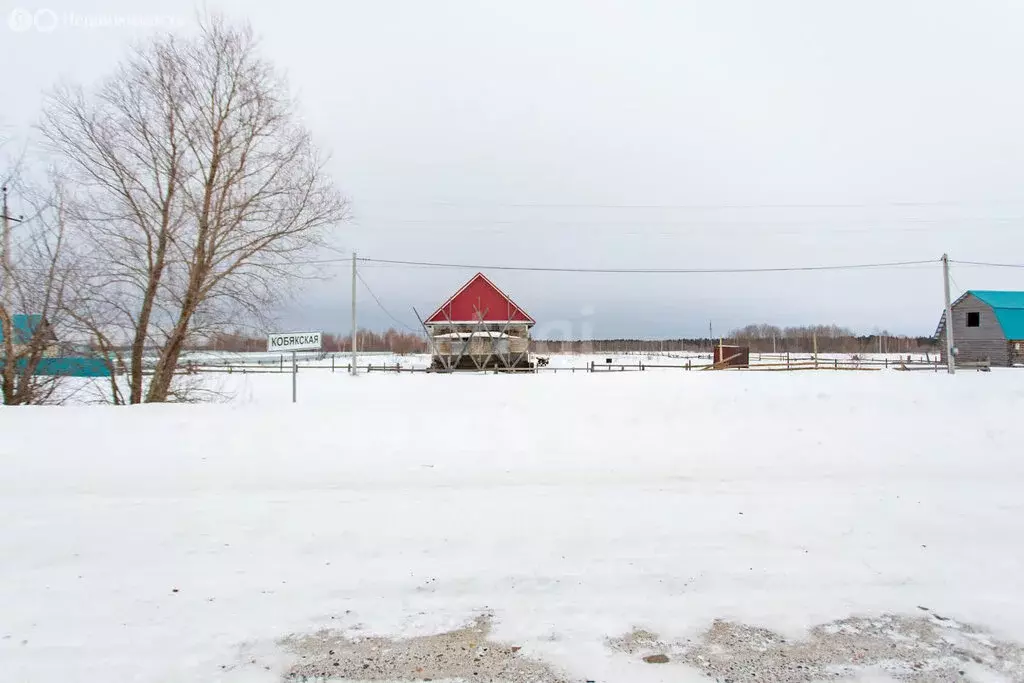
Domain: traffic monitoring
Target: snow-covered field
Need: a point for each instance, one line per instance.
(183, 542)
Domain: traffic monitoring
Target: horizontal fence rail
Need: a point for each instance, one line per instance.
(764, 362)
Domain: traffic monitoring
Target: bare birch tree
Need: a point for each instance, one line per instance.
(203, 194)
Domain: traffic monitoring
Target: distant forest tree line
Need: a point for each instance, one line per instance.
(392, 340)
(761, 338)
(831, 339)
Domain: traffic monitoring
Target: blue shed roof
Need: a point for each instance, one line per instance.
(1008, 307)
(25, 326)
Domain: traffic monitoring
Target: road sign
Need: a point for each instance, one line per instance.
(295, 341)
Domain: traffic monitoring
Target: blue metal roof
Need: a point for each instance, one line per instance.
(1009, 310)
(25, 325)
(997, 299)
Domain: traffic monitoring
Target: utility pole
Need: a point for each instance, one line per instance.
(950, 363)
(355, 343)
(7, 218)
(7, 250)
(711, 336)
(6, 332)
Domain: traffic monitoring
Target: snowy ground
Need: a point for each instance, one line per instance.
(588, 519)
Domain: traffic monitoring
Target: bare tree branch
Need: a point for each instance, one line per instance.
(199, 190)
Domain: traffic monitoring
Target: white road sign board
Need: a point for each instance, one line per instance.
(295, 341)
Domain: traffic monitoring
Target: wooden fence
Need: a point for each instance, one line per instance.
(783, 363)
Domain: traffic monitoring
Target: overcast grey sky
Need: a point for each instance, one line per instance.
(657, 133)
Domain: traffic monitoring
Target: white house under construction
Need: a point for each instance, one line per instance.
(479, 328)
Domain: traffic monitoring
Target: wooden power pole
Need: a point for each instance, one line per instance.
(355, 330)
(950, 363)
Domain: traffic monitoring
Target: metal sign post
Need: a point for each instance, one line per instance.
(294, 342)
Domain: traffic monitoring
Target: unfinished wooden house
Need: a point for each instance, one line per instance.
(30, 332)
(479, 328)
(988, 327)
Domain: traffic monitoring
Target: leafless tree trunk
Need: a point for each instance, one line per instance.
(203, 193)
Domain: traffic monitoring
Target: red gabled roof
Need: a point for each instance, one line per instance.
(479, 300)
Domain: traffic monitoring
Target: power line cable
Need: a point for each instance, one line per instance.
(375, 298)
(856, 266)
(706, 207)
(953, 280)
(860, 225)
(391, 263)
(755, 230)
(990, 265)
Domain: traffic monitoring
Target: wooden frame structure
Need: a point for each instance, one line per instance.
(479, 328)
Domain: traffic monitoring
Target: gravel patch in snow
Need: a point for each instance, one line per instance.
(921, 649)
(464, 655)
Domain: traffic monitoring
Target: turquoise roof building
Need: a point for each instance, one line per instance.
(24, 326)
(988, 326)
(1008, 308)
